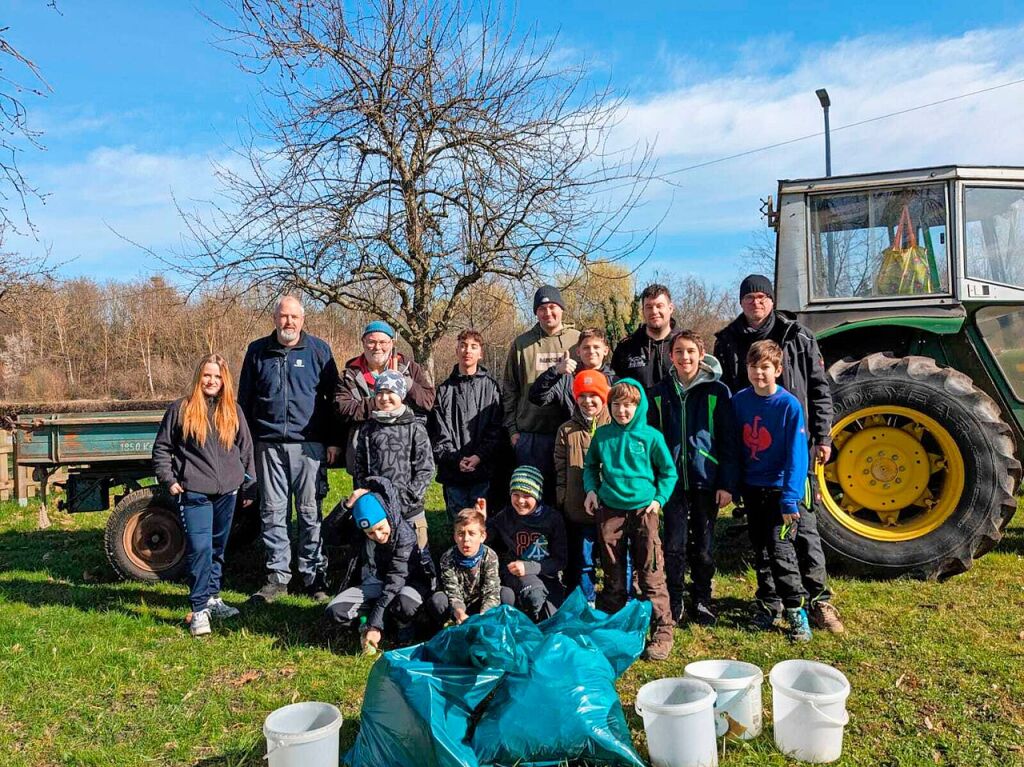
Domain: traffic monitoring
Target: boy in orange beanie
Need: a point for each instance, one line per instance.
(590, 391)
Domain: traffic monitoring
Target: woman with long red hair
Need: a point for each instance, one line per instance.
(203, 456)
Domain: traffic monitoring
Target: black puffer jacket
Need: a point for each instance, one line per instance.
(640, 357)
(467, 419)
(803, 368)
(400, 451)
(397, 563)
(554, 388)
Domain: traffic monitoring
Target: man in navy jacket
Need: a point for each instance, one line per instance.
(285, 390)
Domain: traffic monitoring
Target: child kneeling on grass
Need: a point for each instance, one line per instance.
(531, 542)
(392, 582)
(774, 462)
(470, 584)
(628, 475)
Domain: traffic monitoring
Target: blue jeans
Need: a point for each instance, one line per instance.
(579, 569)
(459, 497)
(207, 523)
(287, 470)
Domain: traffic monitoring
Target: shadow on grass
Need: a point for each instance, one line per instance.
(1012, 542)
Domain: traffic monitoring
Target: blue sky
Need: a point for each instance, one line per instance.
(143, 104)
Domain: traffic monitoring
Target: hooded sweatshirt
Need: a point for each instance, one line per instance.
(537, 540)
(697, 423)
(571, 444)
(628, 466)
(640, 357)
(396, 448)
(530, 355)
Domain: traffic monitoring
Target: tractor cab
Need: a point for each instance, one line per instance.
(913, 282)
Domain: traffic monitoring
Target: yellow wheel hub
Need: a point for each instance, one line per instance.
(895, 473)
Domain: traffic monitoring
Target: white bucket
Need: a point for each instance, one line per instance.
(679, 719)
(738, 685)
(303, 735)
(809, 709)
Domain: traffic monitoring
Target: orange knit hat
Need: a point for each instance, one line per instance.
(591, 382)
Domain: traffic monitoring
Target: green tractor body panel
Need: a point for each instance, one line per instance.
(913, 282)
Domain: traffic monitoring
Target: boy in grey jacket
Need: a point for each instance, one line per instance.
(394, 444)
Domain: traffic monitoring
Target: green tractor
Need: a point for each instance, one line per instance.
(913, 282)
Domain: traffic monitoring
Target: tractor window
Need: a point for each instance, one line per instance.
(1002, 328)
(994, 236)
(884, 243)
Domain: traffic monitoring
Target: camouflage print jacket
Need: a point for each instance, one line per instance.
(475, 591)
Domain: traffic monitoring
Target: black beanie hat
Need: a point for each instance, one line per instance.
(547, 294)
(757, 283)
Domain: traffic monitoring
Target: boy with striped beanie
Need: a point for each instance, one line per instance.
(530, 539)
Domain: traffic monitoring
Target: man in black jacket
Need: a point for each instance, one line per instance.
(646, 355)
(803, 376)
(466, 427)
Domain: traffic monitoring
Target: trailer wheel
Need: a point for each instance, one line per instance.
(923, 475)
(144, 538)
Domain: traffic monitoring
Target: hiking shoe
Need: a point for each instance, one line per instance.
(765, 620)
(660, 645)
(799, 629)
(317, 590)
(825, 616)
(200, 623)
(270, 593)
(218, 609)
(703, 615)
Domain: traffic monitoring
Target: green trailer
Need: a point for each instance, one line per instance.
(108, 456)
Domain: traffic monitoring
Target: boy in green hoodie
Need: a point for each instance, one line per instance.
(628, 475)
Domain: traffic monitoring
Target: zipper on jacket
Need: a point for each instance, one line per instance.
(684, 466)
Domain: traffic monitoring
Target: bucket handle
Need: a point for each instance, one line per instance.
(834, 722)
(743, 692)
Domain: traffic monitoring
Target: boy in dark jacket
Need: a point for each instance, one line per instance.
(466, 427)
(554, 385)
(470, 583)
(530, 538)
(629, 475)
(394, 444)
(692, 412)
(774, 459)
(571, 444)
(390, 579)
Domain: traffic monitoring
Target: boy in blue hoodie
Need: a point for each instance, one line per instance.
(774, 458)
(628, 476)
(693, 413)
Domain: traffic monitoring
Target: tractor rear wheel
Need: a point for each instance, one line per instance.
(144, 538)
(923, 476)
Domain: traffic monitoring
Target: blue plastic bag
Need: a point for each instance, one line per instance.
(498, 689)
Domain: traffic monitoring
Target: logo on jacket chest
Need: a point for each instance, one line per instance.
(756, 437)
(544, 360)
(636, 362)
(300, 363)
(636, 447)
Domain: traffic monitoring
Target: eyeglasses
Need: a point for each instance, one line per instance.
(756, 298)
(378, 344)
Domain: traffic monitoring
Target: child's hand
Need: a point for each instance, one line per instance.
(461, 616)
(723, 498)
(370, 640)
(566, 366)
(590, 503)
(652, 508)
(517, 568)
(356, 495)
(790, 518)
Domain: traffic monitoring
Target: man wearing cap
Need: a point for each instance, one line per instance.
(353, 398)
(646, 355)
(284, 389)
(532, 427)
(803, 376)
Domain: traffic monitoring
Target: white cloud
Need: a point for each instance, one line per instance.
(753, 106)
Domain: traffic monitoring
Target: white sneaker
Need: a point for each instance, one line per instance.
(200, 623)
(218, 609)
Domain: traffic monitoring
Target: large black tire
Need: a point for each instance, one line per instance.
(986, 498)
(144, 538)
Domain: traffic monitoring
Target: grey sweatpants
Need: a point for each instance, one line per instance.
(287, 470)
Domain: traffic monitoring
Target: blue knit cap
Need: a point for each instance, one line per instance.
(378, 326)
(368, 511)
(391, 380)
(527, 480)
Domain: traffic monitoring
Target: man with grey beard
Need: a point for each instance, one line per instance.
(285, 390)
(354, 399)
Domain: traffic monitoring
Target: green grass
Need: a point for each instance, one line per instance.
(99, 672)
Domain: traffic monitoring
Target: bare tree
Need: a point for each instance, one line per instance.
(414, 149)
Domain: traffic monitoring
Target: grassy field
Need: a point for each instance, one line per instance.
(98, 672)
